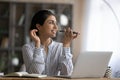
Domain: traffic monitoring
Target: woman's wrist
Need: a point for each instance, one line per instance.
(37, 44)
(66, 45)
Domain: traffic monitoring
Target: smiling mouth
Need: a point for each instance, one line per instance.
(53, 31)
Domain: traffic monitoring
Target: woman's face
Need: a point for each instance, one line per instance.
(50, 27)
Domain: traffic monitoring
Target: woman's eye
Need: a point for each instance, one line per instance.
(51, 22)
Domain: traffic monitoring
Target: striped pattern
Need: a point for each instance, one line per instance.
(57, 61)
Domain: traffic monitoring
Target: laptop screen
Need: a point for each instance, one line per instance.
(91, 64)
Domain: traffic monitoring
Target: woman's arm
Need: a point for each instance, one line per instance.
(66, 65)
(66, 58)
(33, 59)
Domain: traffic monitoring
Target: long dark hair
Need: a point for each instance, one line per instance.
(40, 17)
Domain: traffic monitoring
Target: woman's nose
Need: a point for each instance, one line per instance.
(55, 26)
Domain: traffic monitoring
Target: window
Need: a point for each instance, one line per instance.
(104, 30)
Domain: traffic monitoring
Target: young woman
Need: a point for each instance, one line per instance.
(43, 55)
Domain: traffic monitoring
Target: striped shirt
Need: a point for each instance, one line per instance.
(57, 61)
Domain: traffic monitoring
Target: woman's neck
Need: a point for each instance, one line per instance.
(45, 41)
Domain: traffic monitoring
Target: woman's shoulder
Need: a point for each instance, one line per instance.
(30, 45)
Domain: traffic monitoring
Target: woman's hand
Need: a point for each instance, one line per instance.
(68, 37)
(35, 38)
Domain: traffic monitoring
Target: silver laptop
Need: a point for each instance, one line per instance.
(91, 65)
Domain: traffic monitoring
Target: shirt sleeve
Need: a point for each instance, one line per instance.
(66, 62)
(33, 59)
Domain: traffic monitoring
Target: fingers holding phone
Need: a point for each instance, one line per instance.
(69, 35)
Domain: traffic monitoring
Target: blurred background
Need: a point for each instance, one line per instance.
(98, 22)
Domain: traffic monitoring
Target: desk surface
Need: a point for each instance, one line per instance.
(53, 78)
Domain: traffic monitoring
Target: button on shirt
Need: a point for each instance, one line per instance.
(57, 61)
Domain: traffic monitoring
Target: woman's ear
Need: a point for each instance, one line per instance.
(38, 26)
